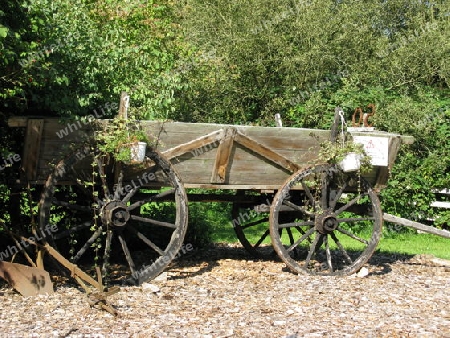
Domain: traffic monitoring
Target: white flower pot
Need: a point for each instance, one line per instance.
(351, 162)
(138, 151)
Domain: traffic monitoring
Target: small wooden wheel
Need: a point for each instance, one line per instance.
(338, 221)
(96, 205)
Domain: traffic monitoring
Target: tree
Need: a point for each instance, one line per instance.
(75, 56)
(292, 57)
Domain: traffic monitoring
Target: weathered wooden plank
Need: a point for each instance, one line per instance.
(170, 139)
(161, 128)
(416, 225)
(191, 146)
(167, 128)
(208, 152)
(175, 134)
(222, 160)
(276, 144)
(32, 148)
(18, 121)
(384, 172)
(265, 152)
(405, 139)
(231, 186)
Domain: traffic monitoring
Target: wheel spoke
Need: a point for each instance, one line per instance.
(89, 242)
(328, 253)
(118, 187)
(298, 208)
(151, 198)
(300, 230)
(130, 194)
(291, 237)
(153, 221)
(263, 237)
(350, 203)
(341, 248)
(312, 249)
(72, 230)
(252, 224)
(71, 206)
(301, 239)
(127, 253)
(308, 193)
(106, 255)
(146, 240)
(296, 224)
(355, 219)
(338, 195)
(101, 172)
(349, 234)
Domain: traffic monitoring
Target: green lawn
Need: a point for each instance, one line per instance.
(413, 244)
(215, 218)
(409, 243)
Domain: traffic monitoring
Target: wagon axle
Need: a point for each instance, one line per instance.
(115, 213)
(326, 223)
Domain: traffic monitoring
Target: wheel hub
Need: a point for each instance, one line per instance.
(326, 223)
(115, 213)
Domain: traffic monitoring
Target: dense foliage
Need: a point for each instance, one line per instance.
(240, 62)
(66, 57)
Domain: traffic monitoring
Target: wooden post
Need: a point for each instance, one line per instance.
(278, 120)
(32, 147)
(123, 106)
(335, 126)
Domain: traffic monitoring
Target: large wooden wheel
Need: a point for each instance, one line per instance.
(338, 221)
(104, 211)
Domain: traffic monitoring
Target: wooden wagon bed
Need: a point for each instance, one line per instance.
(206, 155)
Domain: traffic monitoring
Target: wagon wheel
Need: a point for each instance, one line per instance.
(139, 218)
(251, 224)
(338, 223)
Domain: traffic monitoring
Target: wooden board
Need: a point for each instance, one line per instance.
(32, 148)
(209, 155)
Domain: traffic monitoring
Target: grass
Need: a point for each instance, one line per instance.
(414, 244)
(214, 219)
(393, 243)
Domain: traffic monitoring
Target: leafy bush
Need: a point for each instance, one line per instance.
(75, 55)
(422, 167)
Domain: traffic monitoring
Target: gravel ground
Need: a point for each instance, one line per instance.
(221, 293)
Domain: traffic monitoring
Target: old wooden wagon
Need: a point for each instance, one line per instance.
(319, 219)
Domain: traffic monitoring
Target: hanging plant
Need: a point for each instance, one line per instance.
(124, 138)
(344, 152)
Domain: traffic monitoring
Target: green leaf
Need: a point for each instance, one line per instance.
(3, 31)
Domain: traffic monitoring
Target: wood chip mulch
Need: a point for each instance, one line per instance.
(221, 292)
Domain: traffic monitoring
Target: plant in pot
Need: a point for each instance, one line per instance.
(124, 138)
(348, 155)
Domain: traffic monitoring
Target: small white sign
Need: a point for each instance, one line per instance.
(376, 147)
